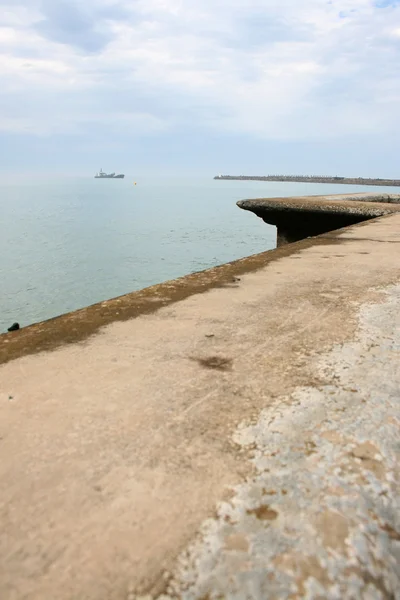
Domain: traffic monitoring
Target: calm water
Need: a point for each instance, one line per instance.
(69, 243)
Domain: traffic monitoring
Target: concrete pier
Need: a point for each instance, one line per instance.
(232, 434)
(299, 217)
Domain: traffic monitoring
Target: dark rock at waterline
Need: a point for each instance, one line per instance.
(14, 327)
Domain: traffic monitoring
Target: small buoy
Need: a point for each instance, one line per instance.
(135, 182)
(14, 327)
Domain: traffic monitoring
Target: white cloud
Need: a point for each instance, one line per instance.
(278, 69)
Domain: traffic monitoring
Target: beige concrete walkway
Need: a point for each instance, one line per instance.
(267, 405)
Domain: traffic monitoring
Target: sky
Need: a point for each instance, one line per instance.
(200, 86)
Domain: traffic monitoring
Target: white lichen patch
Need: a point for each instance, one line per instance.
(320, 517)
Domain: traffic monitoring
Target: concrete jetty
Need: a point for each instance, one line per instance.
(373, 181)
(232, 434)
(299, 217)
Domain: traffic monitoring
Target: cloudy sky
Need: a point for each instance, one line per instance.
(200, 86)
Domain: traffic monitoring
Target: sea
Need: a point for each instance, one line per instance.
(66, 243)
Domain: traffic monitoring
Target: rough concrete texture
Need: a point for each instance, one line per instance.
(363, 204)
(319, 516)
(238, 443)
(370, 197)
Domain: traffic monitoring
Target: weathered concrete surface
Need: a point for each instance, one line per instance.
(319, 517)
(299, 217)
(343, 204)
(262, 414)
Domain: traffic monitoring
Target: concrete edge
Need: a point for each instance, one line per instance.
(79, 325)
(342, 205)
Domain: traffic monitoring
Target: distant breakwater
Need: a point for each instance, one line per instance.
(312, 179)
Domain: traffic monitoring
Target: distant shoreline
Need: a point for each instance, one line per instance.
(312, 179)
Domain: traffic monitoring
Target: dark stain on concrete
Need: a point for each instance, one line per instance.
(392, 533)
(310, 448)
(264, 513)
(219, 363)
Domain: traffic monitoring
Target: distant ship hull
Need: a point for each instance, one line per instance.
(102, 175)
(109, 176)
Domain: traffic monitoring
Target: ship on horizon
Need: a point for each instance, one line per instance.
(102, 175)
